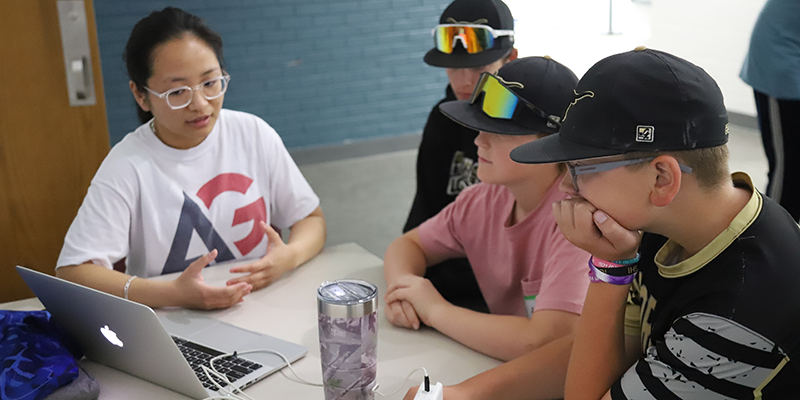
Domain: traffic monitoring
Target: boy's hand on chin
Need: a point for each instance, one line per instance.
(595, 231)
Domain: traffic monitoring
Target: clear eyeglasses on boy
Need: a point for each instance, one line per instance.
(576, 170)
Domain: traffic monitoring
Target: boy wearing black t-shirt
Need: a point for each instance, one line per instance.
(704, 304)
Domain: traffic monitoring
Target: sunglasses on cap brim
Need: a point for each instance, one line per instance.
(502, 103)
(474, 38)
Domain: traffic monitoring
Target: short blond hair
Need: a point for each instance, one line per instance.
(709, 165)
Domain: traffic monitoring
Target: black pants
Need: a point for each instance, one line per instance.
(779, 121)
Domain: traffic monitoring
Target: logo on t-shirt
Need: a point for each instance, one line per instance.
(193, 220)
(463, 173)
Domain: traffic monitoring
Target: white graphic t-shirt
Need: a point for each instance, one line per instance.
(161, 208)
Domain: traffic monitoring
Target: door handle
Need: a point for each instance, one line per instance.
(77, 53)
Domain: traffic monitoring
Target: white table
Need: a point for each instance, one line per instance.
(288, 310)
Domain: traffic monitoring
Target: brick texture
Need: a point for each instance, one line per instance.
(321, 72)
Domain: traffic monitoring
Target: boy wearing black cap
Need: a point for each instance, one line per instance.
(474, 36)
(533, 280)
(712, 309)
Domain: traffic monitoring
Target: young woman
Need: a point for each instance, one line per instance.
(195, 183)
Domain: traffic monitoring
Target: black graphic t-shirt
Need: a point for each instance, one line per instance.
(724, 323)
(447, 163)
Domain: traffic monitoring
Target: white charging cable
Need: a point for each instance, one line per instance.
(375, 389)
(232, 394)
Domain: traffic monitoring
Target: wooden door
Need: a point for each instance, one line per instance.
(49, 151)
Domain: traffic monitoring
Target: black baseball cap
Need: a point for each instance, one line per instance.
(546, 83)
(493, 13)
(642, 100)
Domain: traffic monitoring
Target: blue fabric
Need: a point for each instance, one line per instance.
(37, 356)
(772, 65)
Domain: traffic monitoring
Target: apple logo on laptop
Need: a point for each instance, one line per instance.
(111, 336)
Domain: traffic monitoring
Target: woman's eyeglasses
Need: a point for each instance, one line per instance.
(182, 96)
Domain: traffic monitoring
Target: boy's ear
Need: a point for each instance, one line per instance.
(513, 55)
(140, 97)
(668, 180)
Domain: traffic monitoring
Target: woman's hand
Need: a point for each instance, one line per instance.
(192, 292)
(279, 259)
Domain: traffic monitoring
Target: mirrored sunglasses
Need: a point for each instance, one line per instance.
(474, 38)
(502, 103)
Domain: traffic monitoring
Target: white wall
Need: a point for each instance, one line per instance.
(713, 34)
(576, 32)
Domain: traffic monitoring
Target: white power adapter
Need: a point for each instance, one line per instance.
(435, 392)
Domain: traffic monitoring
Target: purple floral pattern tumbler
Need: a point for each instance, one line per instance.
(348, 338)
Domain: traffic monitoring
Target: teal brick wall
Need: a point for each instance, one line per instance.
(321, 72)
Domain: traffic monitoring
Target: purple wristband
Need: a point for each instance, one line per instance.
(596, 276)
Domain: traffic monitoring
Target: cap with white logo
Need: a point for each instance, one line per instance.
(642, 100)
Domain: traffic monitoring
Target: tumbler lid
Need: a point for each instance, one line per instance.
(347, 298)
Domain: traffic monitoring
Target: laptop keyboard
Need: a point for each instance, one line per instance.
(198, 355)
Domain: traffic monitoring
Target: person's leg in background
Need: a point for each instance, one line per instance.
(779, 121)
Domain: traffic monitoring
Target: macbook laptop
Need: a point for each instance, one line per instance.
(130, 337)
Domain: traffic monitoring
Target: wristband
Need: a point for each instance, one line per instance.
(596, 276)
(629, 261)
(598, 262)
(612, 268)
(127, 286)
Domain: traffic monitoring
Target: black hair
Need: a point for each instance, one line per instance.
(156, 29)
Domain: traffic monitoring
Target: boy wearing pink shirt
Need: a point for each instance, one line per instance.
(534, 281)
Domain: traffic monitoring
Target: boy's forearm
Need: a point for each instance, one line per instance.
(404, 256)
(536, 375)
(598, 355)
(504, 337)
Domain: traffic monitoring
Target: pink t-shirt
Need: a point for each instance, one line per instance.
(520, 269)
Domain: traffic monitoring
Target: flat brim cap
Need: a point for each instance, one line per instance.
(461, 59)
(544, 82)
(643, 100)
(493, 13)
(472, 117)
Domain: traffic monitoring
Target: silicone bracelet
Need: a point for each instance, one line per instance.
(612, 269)
(596, 276)
(127, 286)
(629, 261)
(599, 262)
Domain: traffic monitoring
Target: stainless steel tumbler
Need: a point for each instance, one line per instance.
(348, 338)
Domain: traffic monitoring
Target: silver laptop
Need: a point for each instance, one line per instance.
(130, 337)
